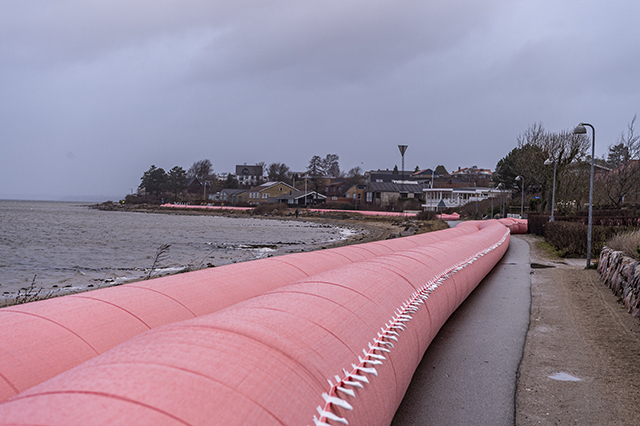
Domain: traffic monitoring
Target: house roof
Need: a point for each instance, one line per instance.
(247, 170)
(397, 187)
(424, 173)
(230, 191)
(472, 170)
(268, 185)
(294, 195)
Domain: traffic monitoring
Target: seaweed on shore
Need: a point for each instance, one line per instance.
(162, 253)
(30, 294)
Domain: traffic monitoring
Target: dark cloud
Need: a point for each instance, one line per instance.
(94, 93)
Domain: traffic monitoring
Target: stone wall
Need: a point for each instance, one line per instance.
(622, 275)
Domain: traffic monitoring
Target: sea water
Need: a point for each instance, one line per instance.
(65, 247)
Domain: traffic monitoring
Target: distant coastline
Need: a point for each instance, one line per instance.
(374, 227)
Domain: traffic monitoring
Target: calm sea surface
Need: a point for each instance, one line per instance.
(68, 246)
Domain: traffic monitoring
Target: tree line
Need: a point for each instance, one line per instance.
(156, 180)
(538, 151)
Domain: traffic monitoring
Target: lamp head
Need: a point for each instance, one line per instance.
(580, 130)
(518, 178)
(548, 162)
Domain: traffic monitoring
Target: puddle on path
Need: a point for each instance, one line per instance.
(540, 266)
(564, 377)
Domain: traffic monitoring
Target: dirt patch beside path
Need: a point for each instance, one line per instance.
(581, 361)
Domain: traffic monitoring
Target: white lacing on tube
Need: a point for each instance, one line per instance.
(381, 344)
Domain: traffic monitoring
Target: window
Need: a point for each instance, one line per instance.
(369, 197)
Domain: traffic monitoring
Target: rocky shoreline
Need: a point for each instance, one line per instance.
(370, 228)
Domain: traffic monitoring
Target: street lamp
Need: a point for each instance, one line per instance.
(520, 178)
(500, 187)
(491, 196)
(581, 130)
(547, 162)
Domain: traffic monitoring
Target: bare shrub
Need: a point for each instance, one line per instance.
(275, 209)
(30, 294)
(570, 238)
(427, 215)
(627, 242)
(162, 253)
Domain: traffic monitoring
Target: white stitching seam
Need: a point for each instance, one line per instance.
(354, 378)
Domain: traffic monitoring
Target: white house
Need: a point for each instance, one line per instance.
(443, 198)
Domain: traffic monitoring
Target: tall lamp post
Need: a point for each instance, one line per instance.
(547, 162)
(491, 196)
(500, 187)
(520, 178)
(581, 130)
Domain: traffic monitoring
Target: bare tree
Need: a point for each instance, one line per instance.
(263, 167)
(355, 176)
(200, 169)
(536, 145)
(331, 166)
(623, 158)
(278, 172)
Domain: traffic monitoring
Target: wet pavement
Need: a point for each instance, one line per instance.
(468, 374)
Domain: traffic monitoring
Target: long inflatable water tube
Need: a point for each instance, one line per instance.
(327, 337)
(42, 339)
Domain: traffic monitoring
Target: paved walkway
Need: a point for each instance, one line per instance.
(468, 374)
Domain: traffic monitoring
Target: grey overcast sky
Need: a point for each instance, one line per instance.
(92, 93)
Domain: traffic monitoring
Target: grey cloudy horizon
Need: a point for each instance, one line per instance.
(93, 93)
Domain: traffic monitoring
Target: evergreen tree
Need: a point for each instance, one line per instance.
(154, 181)
(177, 180)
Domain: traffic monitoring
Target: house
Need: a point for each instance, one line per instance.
(195, 186)
(268, 192)
(473, 171)
(387, 176)
(424, 174)
(222, 176)
(301, 198)
(443, 198)
(386, 193)
(333, 187)
(356, 195)
(249, 174)
(233, 196)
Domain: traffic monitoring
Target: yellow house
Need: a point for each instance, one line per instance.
(268, 192)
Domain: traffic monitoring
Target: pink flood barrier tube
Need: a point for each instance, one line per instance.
(334, 347)
(42, 339)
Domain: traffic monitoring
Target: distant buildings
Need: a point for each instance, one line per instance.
(249, 174)
(378, 189)
(268, 192)
(444, 198)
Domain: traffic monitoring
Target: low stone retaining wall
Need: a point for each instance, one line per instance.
(622, 275)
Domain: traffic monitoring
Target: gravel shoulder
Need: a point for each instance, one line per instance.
(581, 361)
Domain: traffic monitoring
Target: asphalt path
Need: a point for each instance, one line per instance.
(468, 374)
